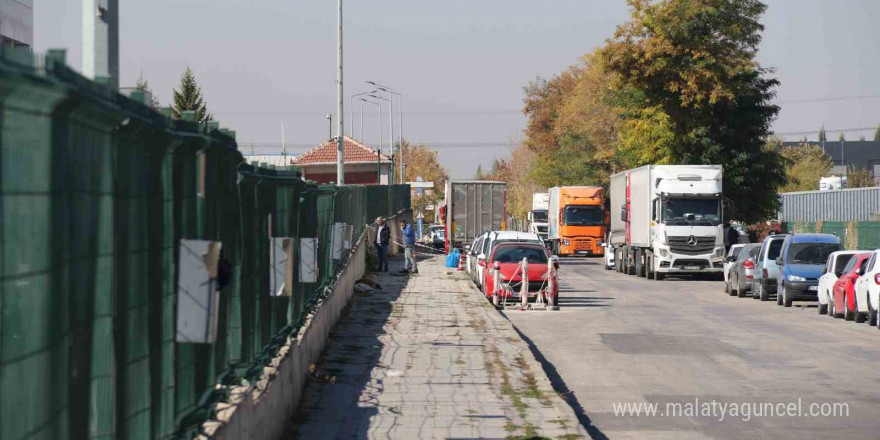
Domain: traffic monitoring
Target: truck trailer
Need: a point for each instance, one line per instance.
(472, 208)
(667, 219)
(538, 214)
(576, 219)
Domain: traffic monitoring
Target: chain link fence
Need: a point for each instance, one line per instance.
(98, 190)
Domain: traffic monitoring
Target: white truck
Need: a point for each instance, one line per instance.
(538, 215)
(667, 219)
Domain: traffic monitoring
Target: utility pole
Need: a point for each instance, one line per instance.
(340, 141)
(100, 50)
(283, 146)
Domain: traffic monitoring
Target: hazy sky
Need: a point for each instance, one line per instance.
(461, 64)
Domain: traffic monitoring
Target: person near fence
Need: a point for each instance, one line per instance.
(409, 245)
(383, 238)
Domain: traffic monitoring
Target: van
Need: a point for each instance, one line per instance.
(800, 262)
(766, 271)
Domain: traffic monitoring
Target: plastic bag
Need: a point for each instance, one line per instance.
(452, 258)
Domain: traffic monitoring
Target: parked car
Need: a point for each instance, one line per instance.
(732, 253)
(472, 251)
(609, 256)
(833, 270)
(742, 270)
(509, 255)
(800, 262)
(494, 238)
(843, 298)
(868, 287)
(438, 238)
(766, 271)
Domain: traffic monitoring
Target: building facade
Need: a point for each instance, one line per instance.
(17, 22)
(363, 166)
(858, 154)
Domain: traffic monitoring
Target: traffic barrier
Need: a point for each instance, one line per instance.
(98, 193)
(496, 283)
(524, 284)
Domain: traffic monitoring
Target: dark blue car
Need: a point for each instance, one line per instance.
(800, 262)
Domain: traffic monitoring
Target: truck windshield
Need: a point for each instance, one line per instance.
(539, 216)
(584, 215)
(692, 212)
(811, 253)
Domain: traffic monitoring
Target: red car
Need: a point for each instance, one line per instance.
(843, 294)
(508, 257)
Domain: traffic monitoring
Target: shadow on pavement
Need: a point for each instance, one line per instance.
(560, 387)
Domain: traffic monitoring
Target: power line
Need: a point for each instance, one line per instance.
(838, 98)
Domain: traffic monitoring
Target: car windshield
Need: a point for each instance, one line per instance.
(773, 249)
(515, 254)
(581, 215)
(539, 215)
(694, 212)
(811, 253)
(850, 265)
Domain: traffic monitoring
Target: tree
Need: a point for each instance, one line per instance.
(689, 66)
(189, 98)
(516, 172)
(421, 161)
(877, 134)
(841, 138)
(144, 86)
(822, 137)
(805, 164)
(859, 178)
(479, 174)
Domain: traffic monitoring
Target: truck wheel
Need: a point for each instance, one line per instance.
(649, 266)
(619, 263)
(639, 266)
(659, 276)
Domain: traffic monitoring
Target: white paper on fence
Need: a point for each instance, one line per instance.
(197, 296)
(337, 242)
(308, 260)
(282, 268)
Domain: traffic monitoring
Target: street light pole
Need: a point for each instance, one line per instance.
(329, 117)
(390, 118)
(380, 119)
(400, 114)
(340, 121)
(351, 110)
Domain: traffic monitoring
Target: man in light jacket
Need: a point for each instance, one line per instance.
(381, 240)
(409, 245)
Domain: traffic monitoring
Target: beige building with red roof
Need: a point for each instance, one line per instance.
(362, 166)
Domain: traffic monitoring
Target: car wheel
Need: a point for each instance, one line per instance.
(823, 309)
(727, 288)
(831, 311)
(847, 313)
(859, 317)
(786, 298)
(779, 295)
(872, 315)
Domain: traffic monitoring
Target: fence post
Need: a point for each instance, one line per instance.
(524, 284)
(496, 283)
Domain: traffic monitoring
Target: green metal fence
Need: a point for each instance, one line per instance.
(855, 235)
(97, 192)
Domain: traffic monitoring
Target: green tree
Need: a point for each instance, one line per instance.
(189, 98)
(859, 178)
(144, 86)
(841, 138)
(877, 134)
(805, 164)
(822, 136)
(691, 64)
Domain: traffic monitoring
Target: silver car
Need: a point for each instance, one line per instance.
(742, 271)
(766, 270)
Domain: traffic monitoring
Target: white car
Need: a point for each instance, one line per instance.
(495, 237)
(833, 270)
(471, 257)
(731, 258)
(868, 284)
(609, 256)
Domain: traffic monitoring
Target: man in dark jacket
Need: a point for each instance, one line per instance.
(381, 240)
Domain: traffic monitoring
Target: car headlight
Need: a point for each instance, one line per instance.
(796, 278)
(664, 253)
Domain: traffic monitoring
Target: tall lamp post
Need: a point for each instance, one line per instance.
(390, 118)
(340, 115)
(329, 117)
(351, 110)
(388, 90)
(367, 101)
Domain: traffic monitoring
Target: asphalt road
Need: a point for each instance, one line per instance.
(619, 339)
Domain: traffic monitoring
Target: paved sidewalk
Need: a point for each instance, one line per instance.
(428, 357)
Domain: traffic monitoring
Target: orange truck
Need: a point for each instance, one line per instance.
(576, 220)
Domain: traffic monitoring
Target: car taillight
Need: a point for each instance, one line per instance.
(765, 273)
(748, 264)
(877, 279)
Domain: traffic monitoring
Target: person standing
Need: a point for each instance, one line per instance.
(409, 245)
(382, 239)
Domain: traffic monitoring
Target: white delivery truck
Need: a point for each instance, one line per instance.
(538, 215)
(667, 219)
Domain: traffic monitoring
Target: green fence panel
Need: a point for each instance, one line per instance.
(836, 228)
(868, 235)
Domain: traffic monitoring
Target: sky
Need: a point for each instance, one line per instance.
(460, 65)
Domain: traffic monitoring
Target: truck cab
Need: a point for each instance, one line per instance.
(577, 220)
(538, 215)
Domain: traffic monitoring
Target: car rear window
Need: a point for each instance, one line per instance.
(515, 254)
(735, 252)
(850, 265)
(842, 260)
(811, 253)
(774, 248)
